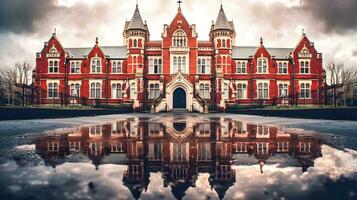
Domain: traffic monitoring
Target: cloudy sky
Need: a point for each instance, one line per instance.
(26, 24)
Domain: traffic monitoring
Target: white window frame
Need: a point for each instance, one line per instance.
(244, 90)
(117, 88)
(306, 89)
(97, 60)
(91, 96)
(301, 67)
(116, 64)
(225, 90)
(203, 65)
(54, 90)
(263, 89)
(204, 89)
(241, 67)
(155, 62)
(282, 65)
(261, 66)
(133, 90)
(53, 66)
(286, 86)
(75, 65)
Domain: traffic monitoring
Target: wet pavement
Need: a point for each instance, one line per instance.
(182, 156)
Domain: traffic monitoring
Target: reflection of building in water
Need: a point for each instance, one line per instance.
(181, 150)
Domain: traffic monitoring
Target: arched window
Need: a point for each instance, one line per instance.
(179, 63)
(154, 91)
(283, 90)
(241, 68)
(179, 39)
(95, 90)
(263, 90)
(75, 90)
(262, 67)
(155, 66)
(305, 90)
(96, 66)
(116, 91)
(224, 43)
(135, 43)
(241, 91)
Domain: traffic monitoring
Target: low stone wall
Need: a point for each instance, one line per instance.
(44, 113)
(323, 113)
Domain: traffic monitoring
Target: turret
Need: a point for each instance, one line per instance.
(222, 32)
(136, 32)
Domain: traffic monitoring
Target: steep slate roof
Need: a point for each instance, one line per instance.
(137, 22)
(244, 52)
(222, 23)
(111, 51)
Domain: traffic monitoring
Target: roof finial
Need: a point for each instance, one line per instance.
(137, 3)
(221, 3)
(303, 32)
(96, 40)
(261, 41)
(54, 32)
(179, 3)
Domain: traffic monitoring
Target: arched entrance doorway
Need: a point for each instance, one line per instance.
(179, 99)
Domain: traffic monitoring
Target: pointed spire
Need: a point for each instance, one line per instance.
(222, 21)
(136, 21)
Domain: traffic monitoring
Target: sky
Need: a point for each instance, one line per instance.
(26, 24)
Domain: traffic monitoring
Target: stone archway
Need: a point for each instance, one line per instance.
(179, 99)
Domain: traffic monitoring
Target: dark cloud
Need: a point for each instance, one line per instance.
(20, 16)
(338, 16)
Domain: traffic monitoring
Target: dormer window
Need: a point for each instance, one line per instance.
(179, 39)
(262, 67)
(96, 66)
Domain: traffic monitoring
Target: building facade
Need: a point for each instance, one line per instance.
(179, 71)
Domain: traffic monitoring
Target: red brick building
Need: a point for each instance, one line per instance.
(179, 71)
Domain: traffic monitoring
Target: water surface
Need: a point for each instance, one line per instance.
(178, 157)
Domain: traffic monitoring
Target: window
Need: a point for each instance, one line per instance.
(262, 66)
(225, 91)
(282, 67)
(154, 91)
(204, 151)
(95, 90)
(241, 91)
(204, 91)
(179, 39)
(135, 43)
(179, 64)
(133, 91)
(283, 90)
(75, 88)
(179, 153)
(262, 131)
(263, 91)
(304, 67)
(305, 91)
(117, 67)
(53, 66)
(224, 43)
(225, 64)
(241, 67)
(155, 151)
(75, 68)
(53, 90)
(155, 66)
(116, 91)
(203, 65)
(96, 66)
